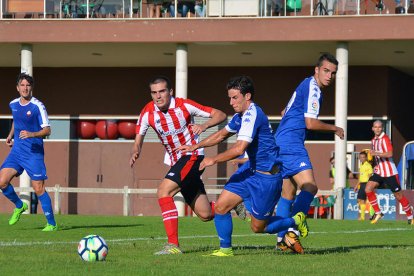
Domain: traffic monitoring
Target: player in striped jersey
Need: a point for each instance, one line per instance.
(385, 174)
(173, 120)
(30, 125)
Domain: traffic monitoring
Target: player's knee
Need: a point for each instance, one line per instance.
(310, 187)
(398, 195)
(257, 228)
(221, 209)
(204, 215)
(3, 182)
(39, 190)
(369, 187)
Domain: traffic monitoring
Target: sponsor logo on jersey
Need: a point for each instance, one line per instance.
(248, 114)
(247, 120)
(171, 132)
(28, 113)
(315, 104)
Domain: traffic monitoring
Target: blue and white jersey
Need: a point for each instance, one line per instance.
(305, 102)
(253, 127)
(31, 117)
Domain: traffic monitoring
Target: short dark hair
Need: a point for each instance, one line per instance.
(363, 153)
(24, 76)
(328, 57)
(242, 83)
(159, 79)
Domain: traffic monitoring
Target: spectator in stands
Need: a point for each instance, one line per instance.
(200, 8)
(30, 126)
(183, 8)
(154, 7)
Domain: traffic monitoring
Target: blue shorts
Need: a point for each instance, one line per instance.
(262, 190)
(33, 164)
(294, 162)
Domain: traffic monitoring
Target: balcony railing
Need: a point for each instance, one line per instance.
(96, 9)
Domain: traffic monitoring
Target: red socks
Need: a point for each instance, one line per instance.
(406, 207)
(372, 198)
(170, 218)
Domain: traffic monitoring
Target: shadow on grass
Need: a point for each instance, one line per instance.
(347, 249)
(249, 250)
(72, 227)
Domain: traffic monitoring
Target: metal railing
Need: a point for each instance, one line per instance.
(88, 9)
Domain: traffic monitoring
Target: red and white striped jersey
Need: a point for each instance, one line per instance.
(385, 167)
(172, 126)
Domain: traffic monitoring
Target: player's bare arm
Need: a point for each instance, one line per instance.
(136, 149)
(217, 116)
(211, 140)
(9, 139)
(315, 124)
(236, 150)
(24, 134)
(387, 154)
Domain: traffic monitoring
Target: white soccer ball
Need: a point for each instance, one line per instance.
(92, 248)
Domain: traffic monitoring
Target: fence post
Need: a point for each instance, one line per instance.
(57, 199)
(126, 200)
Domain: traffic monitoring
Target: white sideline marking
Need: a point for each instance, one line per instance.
(117, 241)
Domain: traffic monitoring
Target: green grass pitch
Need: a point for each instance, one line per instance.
(332, 248)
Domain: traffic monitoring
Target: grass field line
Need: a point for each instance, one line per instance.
(120, 241)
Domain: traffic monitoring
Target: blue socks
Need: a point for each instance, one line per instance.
(12, 196)
(284, 207)
(47, 208)
(302, 203)
(277, 224)
(224, 228)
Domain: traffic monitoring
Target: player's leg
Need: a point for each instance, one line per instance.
(361, 197)
(224, 222)
(394, 184)
(194, 193)
(373, 183)
(46, 202)
(306, 183)
(166, 190)
(284, 209)
(6, 175)
(232, 195)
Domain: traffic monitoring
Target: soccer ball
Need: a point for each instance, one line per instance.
(92, 248)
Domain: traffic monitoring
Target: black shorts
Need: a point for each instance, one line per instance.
(361, 192)
(392, 182)
(187, 175)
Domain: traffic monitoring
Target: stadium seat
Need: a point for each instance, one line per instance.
(328, 203)
(315, 204)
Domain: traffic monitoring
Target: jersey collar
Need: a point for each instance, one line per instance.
(172, 104)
